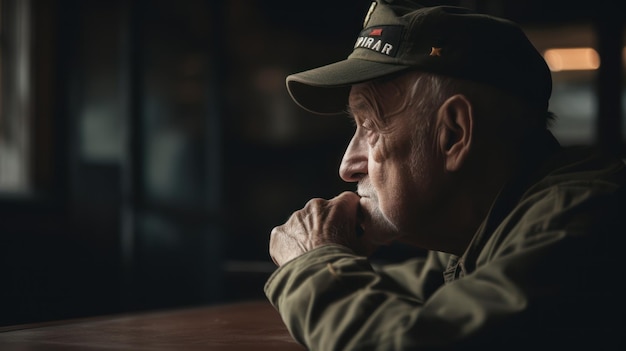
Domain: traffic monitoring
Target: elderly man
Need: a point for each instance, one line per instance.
(452, 154)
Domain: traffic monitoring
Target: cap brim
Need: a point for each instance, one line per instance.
(324, 90)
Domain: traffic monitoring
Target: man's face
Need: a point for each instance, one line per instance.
(393, 161)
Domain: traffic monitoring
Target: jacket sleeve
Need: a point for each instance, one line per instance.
(330, 298)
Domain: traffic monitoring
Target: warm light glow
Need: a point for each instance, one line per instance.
(572, 59)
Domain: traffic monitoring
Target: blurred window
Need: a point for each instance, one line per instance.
(573, 98)
(14, 96)
(570, 51)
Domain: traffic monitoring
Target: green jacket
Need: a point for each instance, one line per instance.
(543, 271)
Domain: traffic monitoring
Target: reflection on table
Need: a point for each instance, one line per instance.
(250, 325)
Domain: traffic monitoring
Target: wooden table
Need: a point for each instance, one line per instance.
(252, 325)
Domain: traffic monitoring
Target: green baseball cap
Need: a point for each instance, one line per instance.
(448, 40)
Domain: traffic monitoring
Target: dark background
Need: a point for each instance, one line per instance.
(165, 146)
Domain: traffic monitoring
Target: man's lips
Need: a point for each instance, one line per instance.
(364, 189)
(363, 193)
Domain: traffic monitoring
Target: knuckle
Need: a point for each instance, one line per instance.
(347, 195)
(315, 202)
(275, 232)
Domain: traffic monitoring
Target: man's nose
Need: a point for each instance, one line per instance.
(354, 163)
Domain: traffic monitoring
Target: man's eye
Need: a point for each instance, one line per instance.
(370, 131)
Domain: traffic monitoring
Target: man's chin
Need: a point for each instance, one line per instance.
(376, 228)
(379, 231)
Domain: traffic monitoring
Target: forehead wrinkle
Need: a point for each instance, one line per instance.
(361, 101)
(395, 92)
(382, 100)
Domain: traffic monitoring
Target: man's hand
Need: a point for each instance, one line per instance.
(320, 222)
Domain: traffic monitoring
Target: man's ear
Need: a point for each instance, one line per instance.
(455, 121)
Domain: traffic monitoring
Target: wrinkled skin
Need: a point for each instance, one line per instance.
(406, 162)
(320, 222)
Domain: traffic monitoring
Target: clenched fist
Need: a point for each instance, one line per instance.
(320, 222)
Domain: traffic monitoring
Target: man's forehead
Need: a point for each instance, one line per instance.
(359, 100)
(378, 97)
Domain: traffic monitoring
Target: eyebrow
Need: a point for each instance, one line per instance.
(360, 107)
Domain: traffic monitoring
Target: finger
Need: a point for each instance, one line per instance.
(349, 197)
(361, 244)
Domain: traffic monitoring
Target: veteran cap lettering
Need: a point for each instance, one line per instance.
(448, 40)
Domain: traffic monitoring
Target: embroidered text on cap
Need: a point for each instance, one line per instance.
(382, 39)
